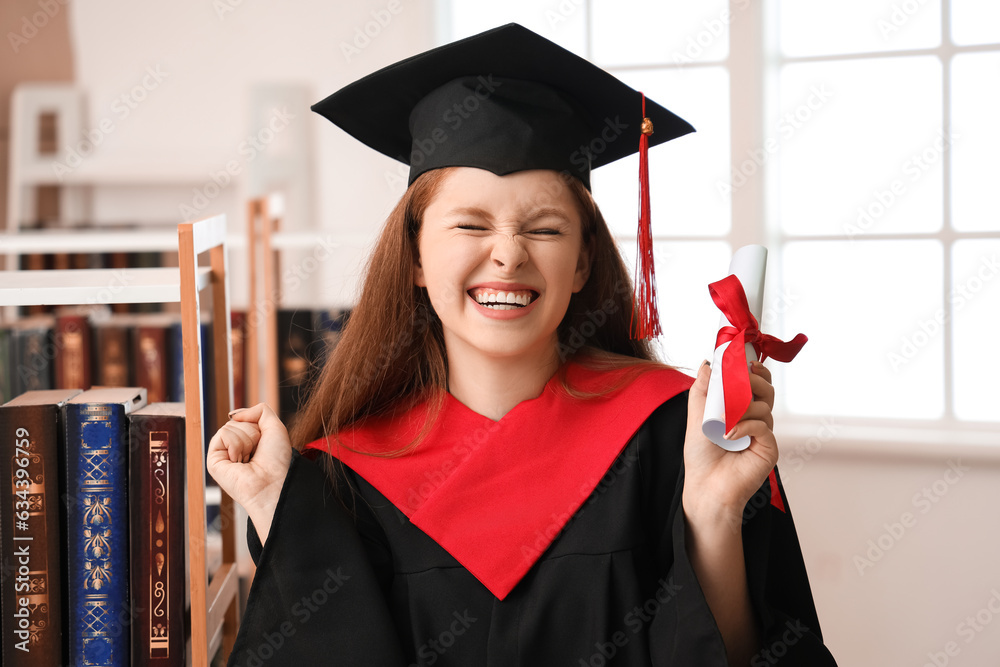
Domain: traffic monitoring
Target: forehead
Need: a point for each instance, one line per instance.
(515, 194)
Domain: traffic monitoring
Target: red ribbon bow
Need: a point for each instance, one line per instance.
(730, 298)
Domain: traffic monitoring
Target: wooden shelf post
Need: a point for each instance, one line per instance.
(214, 604)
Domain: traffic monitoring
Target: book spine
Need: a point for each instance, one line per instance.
(72, 345)
(29, 529)
(151, 363)
(157, 533)
(113, 354)
(31, 360)
(97, 534)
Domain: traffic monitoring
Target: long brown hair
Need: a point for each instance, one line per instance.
(391, 353)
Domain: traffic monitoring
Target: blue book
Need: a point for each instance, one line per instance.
(97, 525)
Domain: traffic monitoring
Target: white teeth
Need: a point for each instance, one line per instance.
(503, 300)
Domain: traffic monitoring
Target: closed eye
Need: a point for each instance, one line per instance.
(545, 232)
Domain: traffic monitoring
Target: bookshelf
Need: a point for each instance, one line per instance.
(215, 602)
(264, 244)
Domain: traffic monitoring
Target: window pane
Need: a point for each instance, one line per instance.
(975, 321)
(859, 147)
(862, 305)
(818, 27)
(566, 27)
(632, 32)
(683, 172)
(975, 21)
(687, 315)
(975, 170)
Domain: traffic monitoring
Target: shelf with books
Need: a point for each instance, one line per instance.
(214, 602)
(294, 342)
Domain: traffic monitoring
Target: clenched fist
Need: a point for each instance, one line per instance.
(249, 458)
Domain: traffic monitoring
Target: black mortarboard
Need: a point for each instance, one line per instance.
(505, 100)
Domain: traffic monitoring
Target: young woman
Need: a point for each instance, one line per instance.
(490, 470)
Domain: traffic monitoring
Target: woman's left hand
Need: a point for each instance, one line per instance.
(718, 483)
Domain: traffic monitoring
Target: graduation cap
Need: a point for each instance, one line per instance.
(509, 100)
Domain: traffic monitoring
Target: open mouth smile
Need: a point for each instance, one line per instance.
(503, 300)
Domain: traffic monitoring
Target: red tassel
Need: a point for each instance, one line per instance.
(645, 323)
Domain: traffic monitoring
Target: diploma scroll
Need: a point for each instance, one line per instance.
(748, 265)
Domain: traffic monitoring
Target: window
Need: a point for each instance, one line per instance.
(881, 205)
(856, 141)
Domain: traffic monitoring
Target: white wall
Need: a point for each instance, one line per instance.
(192, 121)
(935, 508)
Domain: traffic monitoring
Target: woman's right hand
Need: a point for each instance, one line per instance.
(249, 458)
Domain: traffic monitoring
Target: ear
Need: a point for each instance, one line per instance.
(583, 266)
(418, 273)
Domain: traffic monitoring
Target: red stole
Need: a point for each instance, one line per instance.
(494, 494)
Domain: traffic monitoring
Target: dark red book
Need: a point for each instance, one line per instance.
(151, 352)
(157, 510)
(72, 349)
(30, 528)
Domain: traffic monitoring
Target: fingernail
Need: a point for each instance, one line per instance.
(233, 412)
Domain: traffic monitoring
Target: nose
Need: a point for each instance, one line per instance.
(508, 252)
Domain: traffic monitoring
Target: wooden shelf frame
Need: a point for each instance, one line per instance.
(263, 219)
(215, 602)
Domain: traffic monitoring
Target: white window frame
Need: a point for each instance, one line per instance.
(753, 64)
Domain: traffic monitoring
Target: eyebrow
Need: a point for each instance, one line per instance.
(536, 214)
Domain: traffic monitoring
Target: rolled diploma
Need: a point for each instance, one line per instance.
(748, 265)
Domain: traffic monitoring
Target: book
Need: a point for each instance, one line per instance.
(30, 534)
(152, 354)
(97, 524)
(157, 511)
(113, 351)
(31, 353)
(72, 348)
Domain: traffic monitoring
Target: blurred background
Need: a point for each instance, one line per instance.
(856, 140)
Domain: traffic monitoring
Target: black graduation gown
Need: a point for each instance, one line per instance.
(615, 587)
